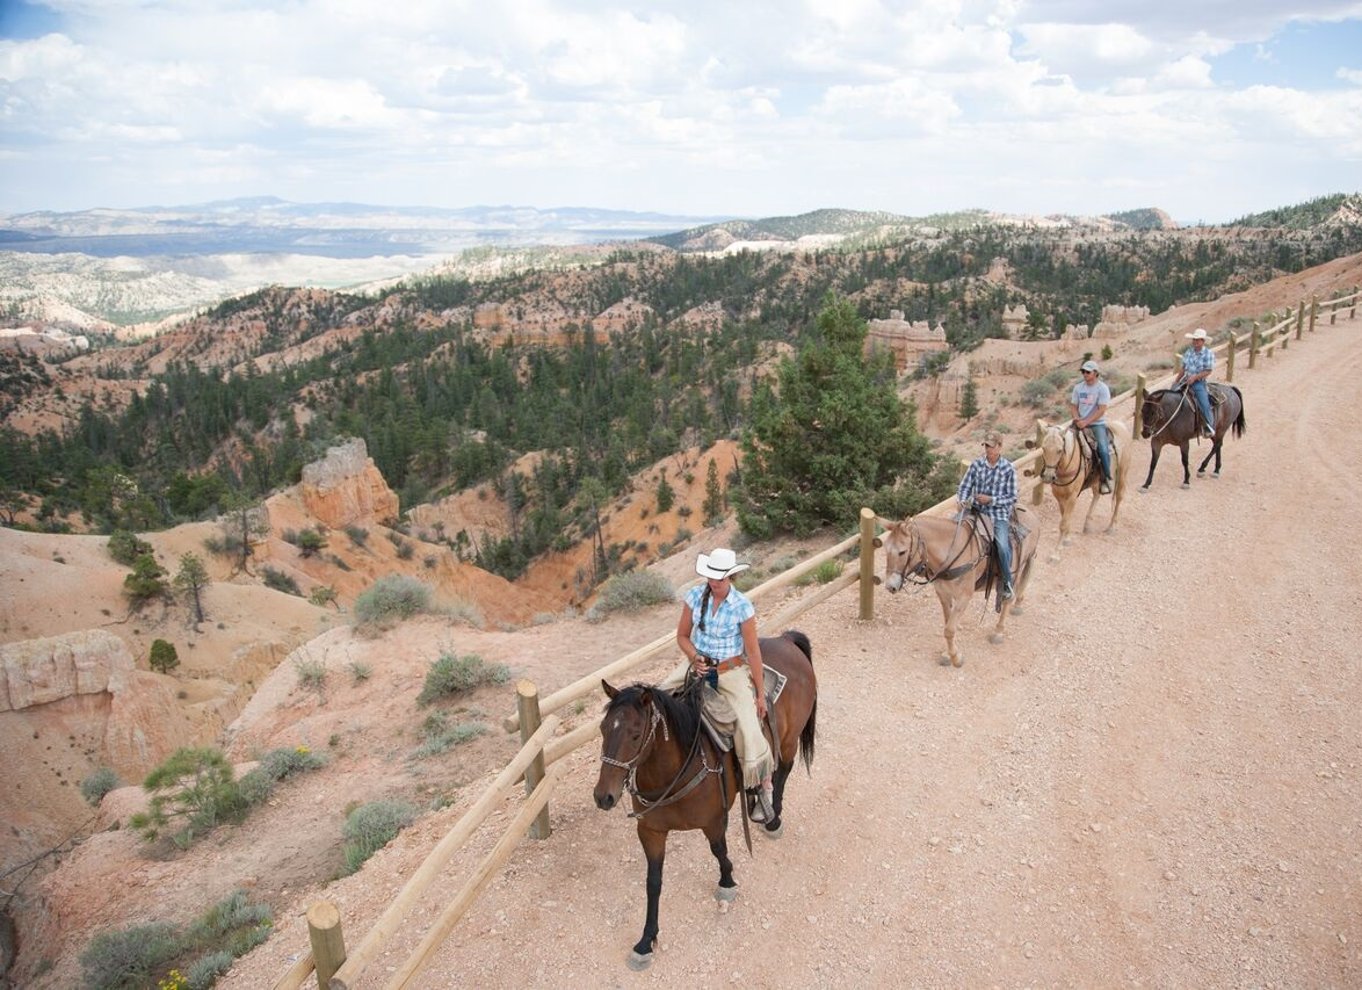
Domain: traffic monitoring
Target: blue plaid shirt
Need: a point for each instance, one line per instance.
(1195, 361)
(998, 481)
(722, 636)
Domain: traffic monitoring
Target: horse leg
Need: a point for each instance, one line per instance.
(1186, 467)
(716, 833)
(1065, 508)
(951, 608)
(1154, 448)
(783, 768)
(1215, 452)
(655, 851)
(1091, 505)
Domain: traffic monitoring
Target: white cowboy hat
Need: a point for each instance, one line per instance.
(1197, 334)
(719, 564)
(1089, 366)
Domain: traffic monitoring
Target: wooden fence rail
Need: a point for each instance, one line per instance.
(538, 760)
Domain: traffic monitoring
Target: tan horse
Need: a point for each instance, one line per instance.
(950, 555)
(1069, 468)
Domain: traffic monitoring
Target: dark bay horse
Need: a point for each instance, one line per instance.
(653, 746)
(1170, 418)
(950, 555)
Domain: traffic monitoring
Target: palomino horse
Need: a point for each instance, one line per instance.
(653, 746)
(1070, 469)
(1171, 418)
(951, 556)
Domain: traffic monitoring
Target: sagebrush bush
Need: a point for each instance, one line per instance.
(634, 590)
(101, 782)
(390, 599)
(279, 581)
(452, 674)
(257, 784)
(127, 959)
(372, 826)
(441, 736)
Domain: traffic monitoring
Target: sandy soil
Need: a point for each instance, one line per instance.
(1153, 782)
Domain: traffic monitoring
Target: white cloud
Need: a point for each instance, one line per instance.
(697, 105)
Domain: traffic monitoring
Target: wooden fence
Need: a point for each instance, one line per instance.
(537, 761)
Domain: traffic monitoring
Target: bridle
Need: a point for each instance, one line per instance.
(669, 794)
(1078, 469)
(1168, 420)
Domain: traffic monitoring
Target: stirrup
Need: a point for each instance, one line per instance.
(1104, 488)
(760, 809)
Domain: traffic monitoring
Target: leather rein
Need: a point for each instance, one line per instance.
(670, 794)
(1080, 470)
(920, 574)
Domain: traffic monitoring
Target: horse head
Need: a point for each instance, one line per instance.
(627, 733)
(902, 554)
(1052, 449)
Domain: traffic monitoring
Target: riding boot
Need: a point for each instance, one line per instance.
(760, 807)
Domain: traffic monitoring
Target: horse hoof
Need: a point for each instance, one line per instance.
(957, 661)
(1017, 610)
(1053, 558)
(639, 962)
(1215, 474)
(1186, 484)
(996, 638)
(945, 660)
(725, 896)
(774, 832)
(1144, 489)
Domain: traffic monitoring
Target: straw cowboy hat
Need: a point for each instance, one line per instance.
(992, 440)
(1197, 334)
(719, 564)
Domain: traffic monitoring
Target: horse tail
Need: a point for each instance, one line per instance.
(806, 737)
(1240, 424)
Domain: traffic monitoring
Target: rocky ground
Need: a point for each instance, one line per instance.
(1153, 782)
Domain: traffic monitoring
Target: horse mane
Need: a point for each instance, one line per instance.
(680, 712)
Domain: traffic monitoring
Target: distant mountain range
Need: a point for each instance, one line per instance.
(266, 225)
(98, 270)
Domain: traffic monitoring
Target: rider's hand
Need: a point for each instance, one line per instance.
(761, 706)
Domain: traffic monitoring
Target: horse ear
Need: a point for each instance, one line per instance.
(609, 691)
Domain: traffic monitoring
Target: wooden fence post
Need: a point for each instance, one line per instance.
(1314, 311)
(1141, 390)
(328, 942)
(1253, 346)
(867, 563)
(527, 702)
(1300, 318)
(1352, 313)
(1333, 313)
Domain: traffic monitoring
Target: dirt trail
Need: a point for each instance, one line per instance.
(1155, 781)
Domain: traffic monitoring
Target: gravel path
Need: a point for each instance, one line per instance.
(1153, 782)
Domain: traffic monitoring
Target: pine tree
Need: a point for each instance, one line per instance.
(969, 401)
(191, 579)
(834, 438)
(714, 495)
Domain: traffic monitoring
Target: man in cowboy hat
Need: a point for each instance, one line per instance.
(1197, 364)
(990, 487)
(1088, 402)
(717, 632)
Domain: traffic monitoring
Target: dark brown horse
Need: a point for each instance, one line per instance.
(1170, 417)
(653, 746)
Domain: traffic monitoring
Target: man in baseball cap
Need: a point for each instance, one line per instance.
(1088, 404)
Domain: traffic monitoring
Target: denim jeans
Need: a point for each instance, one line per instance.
(1203, 401)
(1103, 438)
(1002, 542)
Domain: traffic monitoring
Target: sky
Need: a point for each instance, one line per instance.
(1208, 109)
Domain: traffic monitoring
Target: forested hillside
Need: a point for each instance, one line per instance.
(603, 369)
